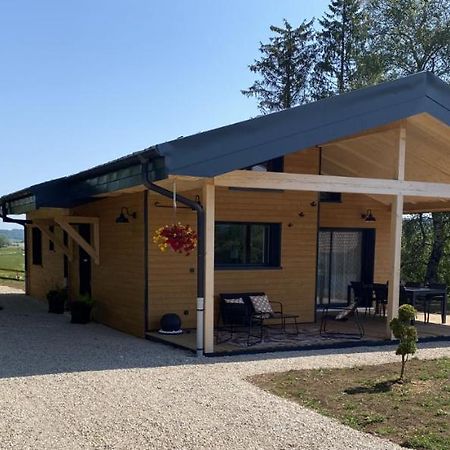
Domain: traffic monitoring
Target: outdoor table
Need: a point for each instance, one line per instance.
(423, 292)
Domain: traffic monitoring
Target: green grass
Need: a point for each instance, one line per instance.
(12, 258)
(414, 414)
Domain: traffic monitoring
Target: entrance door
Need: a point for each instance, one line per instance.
(84, 261)
(345, 255)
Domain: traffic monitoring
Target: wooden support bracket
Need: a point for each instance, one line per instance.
(92, 250)
(43, 227)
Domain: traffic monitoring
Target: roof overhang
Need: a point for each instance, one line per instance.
(243, 144)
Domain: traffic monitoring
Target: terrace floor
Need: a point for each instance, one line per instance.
(339, 334)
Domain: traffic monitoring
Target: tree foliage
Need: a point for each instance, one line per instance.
(284, 69)
(342, 45)
(4, 241)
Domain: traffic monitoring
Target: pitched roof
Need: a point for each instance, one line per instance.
(252, 141)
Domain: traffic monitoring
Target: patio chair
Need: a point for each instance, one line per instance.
(249, 311)
(363, 295)
(381, 298)
(429, 299)
(341, 314)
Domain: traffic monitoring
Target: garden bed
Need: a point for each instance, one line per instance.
(414, 414)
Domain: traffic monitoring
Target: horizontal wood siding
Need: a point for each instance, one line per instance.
(348, 215)
(118, 282)
(49, 275)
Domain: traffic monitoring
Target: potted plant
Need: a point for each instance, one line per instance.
(81, 309)
(56, 301)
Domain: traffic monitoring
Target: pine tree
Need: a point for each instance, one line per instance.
(342, 50)
(284, 68)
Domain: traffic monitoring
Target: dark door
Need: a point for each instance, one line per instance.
(345, 255)
(85, 261)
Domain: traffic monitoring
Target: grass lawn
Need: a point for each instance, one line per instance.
(414, 414)
(12, 258)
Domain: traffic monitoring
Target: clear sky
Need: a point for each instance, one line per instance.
(85, 81)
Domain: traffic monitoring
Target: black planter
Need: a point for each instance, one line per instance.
(81, 312)
(56, 305)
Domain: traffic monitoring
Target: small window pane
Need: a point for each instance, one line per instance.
(230, 244)
(36, 246)
(258, 244)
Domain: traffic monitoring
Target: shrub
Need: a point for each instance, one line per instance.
(403, 329)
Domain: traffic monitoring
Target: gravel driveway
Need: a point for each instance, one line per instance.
(68, 386)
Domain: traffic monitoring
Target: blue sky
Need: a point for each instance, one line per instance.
(83, 82)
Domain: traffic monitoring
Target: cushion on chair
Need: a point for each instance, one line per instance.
(239, 301)
(261, 304)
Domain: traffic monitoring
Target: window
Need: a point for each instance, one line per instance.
(51, 244)
(272, 165)
(241, 244)
(36, 246)
(330, 197)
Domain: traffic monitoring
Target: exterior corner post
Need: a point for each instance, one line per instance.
(396, 236)
(209, 205)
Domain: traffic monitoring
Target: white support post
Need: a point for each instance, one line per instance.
(209, 204)
(396, 237)
(394, 266)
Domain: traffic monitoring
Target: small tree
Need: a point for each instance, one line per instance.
(406, 333)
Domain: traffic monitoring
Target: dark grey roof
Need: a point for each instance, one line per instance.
(252, 141)
(267, 137)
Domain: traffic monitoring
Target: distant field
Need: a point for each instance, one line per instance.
(12, 258)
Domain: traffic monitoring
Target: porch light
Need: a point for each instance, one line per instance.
(124, 215)
(368, 216)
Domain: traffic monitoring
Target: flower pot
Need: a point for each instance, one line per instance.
(81, 312)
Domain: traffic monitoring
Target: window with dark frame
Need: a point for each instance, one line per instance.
(36, 246)
(247, 245)
(51, 244)
(330, 197)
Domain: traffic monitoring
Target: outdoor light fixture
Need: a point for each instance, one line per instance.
(368, 216)
(124, 215)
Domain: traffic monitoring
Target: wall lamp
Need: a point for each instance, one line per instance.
(124, 216)
(368, 216)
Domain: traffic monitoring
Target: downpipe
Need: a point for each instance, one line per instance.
(198, 208)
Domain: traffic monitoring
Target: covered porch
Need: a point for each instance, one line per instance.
(398, 168)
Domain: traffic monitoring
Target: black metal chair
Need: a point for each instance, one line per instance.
(363, 295)
(381, 298)
(236, 316)
(341, 314)
(429, 299)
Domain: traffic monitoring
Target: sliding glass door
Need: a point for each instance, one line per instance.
(345, 255)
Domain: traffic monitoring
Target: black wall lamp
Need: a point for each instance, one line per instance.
(368, 216)
(124, 216)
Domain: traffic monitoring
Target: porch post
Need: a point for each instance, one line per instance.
(209, 205)
(396, 237)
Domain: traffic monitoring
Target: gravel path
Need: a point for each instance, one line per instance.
(68, 386)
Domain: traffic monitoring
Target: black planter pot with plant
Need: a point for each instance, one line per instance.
(56, 301)
(81, 310)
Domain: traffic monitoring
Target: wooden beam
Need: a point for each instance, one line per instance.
(80, 219)
(52, 237)
(394, 268)
(396, 238)
(48, 213)
(416, 208)
(327, 183)
(209, 204)
(93, 252)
